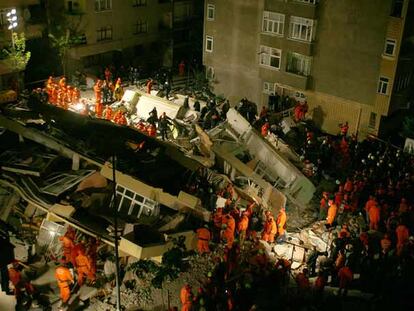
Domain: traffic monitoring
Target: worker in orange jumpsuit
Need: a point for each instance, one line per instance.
(386, 244)
(75, 96)
(345, 278)
(204, 237)
(323, 205)
(15, 278)
(62, 83)
(118, 91)
(229, 227)
(108, 74)
(151, 130)
(92, 254)
(83, 268)
(349, 185)
(186, 298)
(107, 113)
(79, 247)
(97, 89)
(402, 237)
(149, 86)
(281, 224)
(64, 279)
(332, 210)
(68, 245)
(181, 68)
(269, 230)
(265, 129)
(371, 202)
(242, 227)
(374, 217)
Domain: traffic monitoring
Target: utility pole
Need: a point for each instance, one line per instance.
(115, 210)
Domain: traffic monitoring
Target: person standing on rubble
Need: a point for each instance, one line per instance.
(204, 237)
(281, 225)
(242, 227)
(331, 213)
(186, 298)
(270, 229)
(229, 226)
(64, 279)
(163, 125)
(83, 268)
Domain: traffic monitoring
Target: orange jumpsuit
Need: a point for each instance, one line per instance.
(108, 113)
(281, 223)
(92, 255)
(204, 237)
(64, 279)
(152, 130)
(98, 109)
(345, 277)
(374, 217)
(265, 129)
(62, 83)
(269, 230)
(186, 298)
(402, 237)
(228, 233)
(303, 281)
(98, 92)
(75, 251)
(331, 214)
(242, 227)
(348, 187)
(16, 278)
(84, 268)
(68, 245)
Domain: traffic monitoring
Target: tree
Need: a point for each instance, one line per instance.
(17, 55)
(62, 45)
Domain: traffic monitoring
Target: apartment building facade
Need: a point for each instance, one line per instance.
(28, 19)
(139, 32)
(343, 57)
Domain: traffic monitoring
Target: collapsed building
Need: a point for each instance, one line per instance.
(57, 166)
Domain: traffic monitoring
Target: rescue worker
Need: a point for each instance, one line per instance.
(79, 247)
(374, 217)
(281, 225)
(68, 245)
(402, 237)
(265, 129)
(242, 227)
(83, 268)
(385, 244)
(218, 223)
(344, 129)
(229, 227)
(181, 68)
(331, 213)
(186, 298)
(62, 83)
(269, 230)
(163, 125)
(15, 278)
(323, 205)
(92, 253)
(149, 86)
(345, 278)
(75, 95)
(119, 90)
(204, 237)
(108, 75)
(371, 202)
(151, 130)
(64, 279)
(303, 281)
(107, 113)
(98, 92)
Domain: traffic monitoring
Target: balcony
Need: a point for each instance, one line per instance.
(295, 81)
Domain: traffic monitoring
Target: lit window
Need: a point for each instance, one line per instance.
(210, 72)
(372, 120)
(307, 1)
(269, 88)
(383, 85)
(103, 5)
(141, 27)
(270, 57)
(137, 3)
(209, 44)
(273, 23)
(211, 11)
(302, 28)
(298, 64)
(389, 49)
(104, 33)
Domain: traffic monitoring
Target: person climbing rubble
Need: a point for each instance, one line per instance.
(84, 268)
(186, 298)
(204, 237)
(269, 229)
(64, 280)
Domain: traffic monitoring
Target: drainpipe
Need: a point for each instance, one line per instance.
(358, 122)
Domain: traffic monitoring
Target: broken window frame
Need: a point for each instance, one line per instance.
(59, 178)
(147, 206)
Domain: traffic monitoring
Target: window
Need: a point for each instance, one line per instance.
(301, 28)
(390, 47)
(396, 9)
(372, 120)
(137, 3)
(307, 1)
(210, 72)
(211, 11)
(270, 57)
(273, 23)
(141, 27)
(269, 88)
(103, 5)
(383, 85)
(133, 204)
(104, 33)
(209, 44)
(298, 64)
